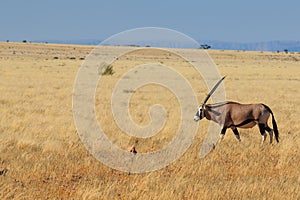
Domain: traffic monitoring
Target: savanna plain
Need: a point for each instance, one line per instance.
(43, 157)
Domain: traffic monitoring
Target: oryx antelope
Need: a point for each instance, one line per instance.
(235, 115)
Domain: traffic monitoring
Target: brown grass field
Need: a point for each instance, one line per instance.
(42, 156)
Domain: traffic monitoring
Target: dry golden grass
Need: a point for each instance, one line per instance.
(41, 155)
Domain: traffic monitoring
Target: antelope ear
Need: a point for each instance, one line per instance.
(205, 107)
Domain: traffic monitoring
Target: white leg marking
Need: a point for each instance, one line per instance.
(264, 137)
(221, 137)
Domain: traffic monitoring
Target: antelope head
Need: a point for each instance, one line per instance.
(200, 113)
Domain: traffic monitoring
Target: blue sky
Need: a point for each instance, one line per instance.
(231, 20)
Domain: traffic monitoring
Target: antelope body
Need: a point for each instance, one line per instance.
(234, 115)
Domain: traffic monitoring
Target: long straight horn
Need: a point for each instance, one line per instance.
(213, 90)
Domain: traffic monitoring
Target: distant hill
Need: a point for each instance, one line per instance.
(79, 42)
(291, 46)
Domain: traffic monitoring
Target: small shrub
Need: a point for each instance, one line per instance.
(129, 91)
(108, 70)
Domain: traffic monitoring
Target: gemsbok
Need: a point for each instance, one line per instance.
(235, 115)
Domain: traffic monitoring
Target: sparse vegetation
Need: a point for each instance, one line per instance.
(108, 70)
(204, 46)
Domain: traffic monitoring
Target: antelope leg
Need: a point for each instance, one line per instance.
(236, 133)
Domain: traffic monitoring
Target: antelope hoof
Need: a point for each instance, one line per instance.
(264, 136)
(221, 137)
(238, 138)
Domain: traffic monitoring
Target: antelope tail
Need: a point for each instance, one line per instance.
(275, 128)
